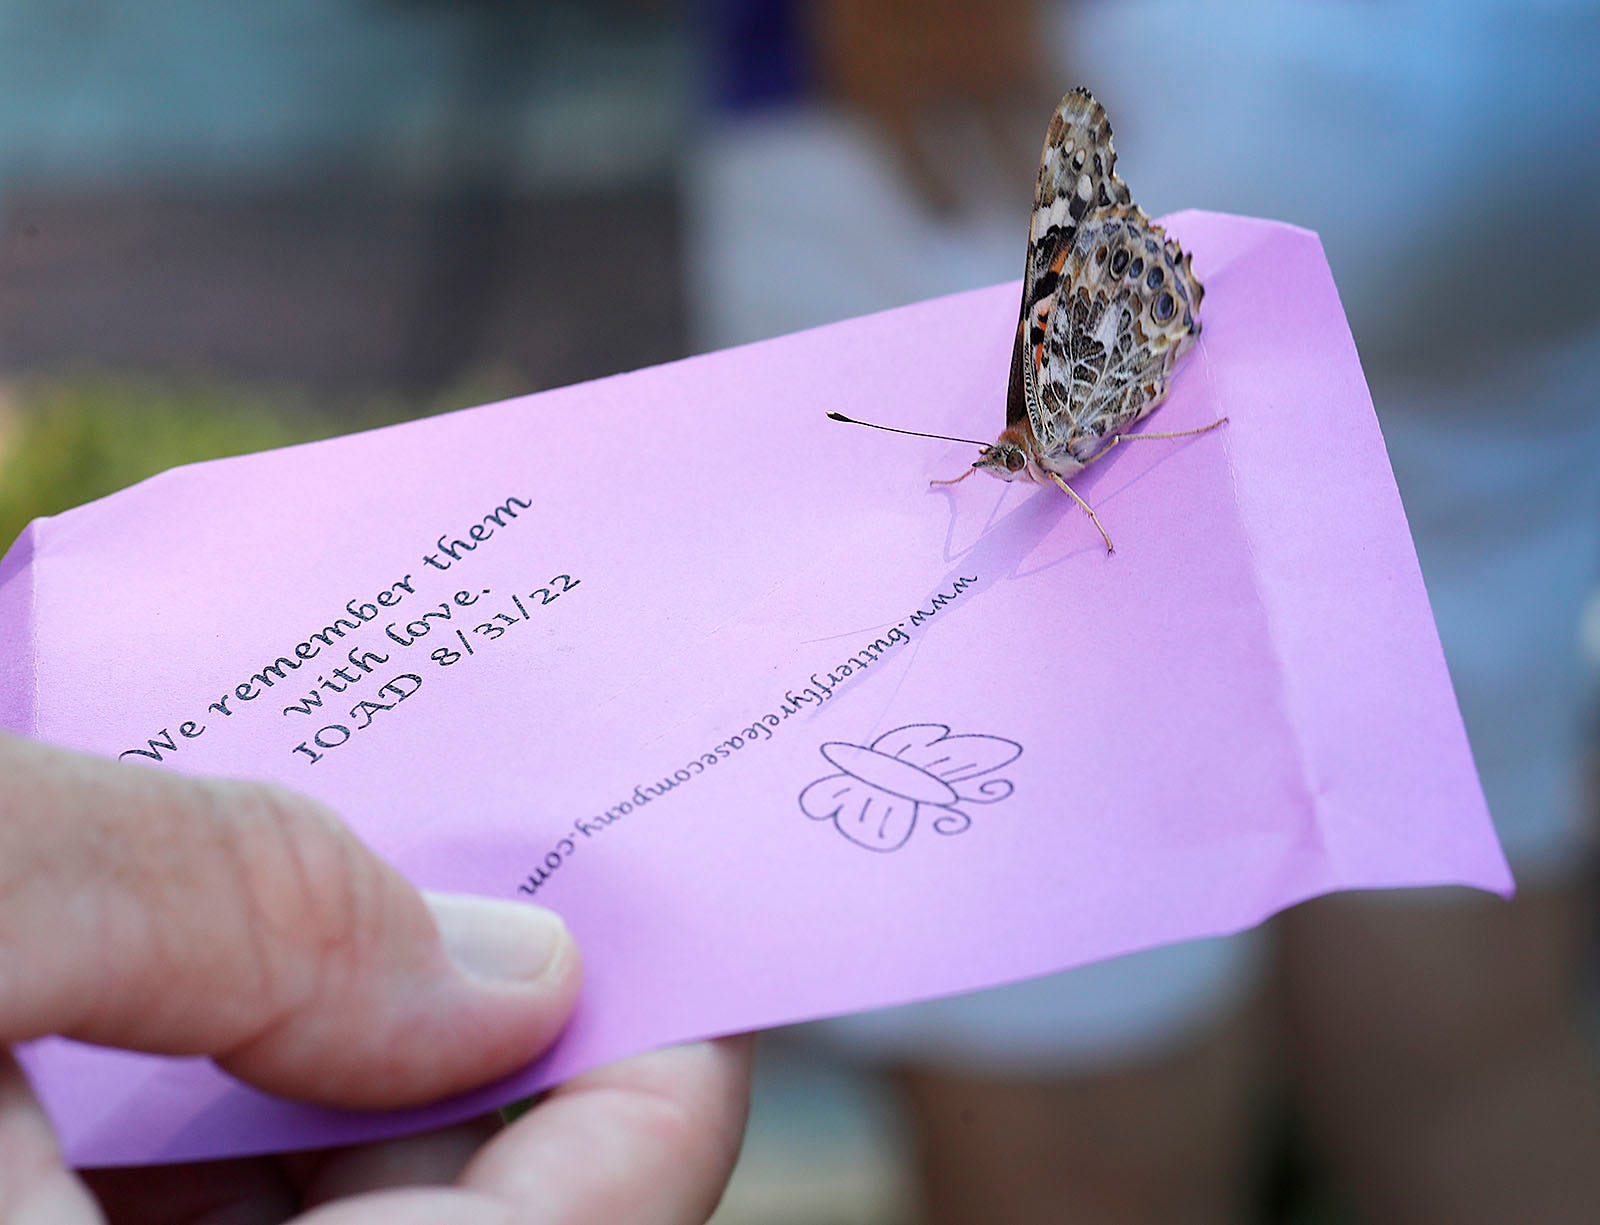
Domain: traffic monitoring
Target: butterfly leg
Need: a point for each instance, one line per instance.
(955, 480)
(1087, 509)
(1116, 438)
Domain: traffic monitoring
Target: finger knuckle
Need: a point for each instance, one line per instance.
(314, 897)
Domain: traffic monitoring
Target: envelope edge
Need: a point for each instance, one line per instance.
(19, 686)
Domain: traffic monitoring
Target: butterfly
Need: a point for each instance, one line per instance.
(1110, 304)
(881, 789)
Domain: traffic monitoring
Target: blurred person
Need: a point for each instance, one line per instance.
(244, 922)
(867, 154)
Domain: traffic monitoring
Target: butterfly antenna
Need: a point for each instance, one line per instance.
(896, 430)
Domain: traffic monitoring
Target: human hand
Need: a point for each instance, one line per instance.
(243, 922)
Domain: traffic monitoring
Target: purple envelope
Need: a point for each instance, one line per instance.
(782, 731)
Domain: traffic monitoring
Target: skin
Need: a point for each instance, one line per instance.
(1431, 1047)
(1438, 1055)
(909, 66)
(244, 922)
(1143, 1144)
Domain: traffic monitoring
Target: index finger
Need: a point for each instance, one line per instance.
(650, 1140)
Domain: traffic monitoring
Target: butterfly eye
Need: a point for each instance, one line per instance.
(1135, 268)
(1014, 460)
(1155, 278)
(1164, 308)
(1119, 263)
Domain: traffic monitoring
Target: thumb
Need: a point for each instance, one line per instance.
(244, 922)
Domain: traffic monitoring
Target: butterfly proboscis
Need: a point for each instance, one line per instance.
(1066, 488)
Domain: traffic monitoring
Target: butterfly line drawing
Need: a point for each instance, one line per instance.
(1109, 305)
(880, 790)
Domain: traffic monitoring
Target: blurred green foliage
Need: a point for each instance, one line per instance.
(68, 440)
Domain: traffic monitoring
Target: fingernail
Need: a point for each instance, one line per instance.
(497, 940)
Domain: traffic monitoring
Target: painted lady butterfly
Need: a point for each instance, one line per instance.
(1109, 305)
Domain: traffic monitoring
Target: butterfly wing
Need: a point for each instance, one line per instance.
(1127, 307)
(869, 816)
(955, 759)
(1077, 175)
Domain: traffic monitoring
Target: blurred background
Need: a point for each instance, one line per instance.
(225, 227)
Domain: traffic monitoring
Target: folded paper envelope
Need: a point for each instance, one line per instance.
(782, 731)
